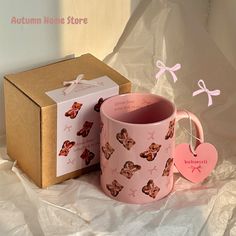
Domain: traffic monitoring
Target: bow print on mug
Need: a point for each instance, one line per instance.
(79, 80)
(163, 68)
(203, 88)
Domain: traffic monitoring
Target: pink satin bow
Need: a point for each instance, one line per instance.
(79, 80)
(163, 68)
(203, 88)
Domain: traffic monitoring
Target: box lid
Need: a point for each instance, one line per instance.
(34, 83)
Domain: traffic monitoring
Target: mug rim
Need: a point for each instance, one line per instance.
(139, 94)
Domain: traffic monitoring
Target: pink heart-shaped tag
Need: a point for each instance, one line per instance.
(195, 168)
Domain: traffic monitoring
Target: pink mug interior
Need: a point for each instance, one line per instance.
(138, 108)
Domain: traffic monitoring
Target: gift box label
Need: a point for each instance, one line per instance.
(78, 123)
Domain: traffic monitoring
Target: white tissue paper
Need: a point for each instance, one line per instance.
(158, 30)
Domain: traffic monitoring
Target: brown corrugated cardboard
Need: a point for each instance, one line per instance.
(31, 114)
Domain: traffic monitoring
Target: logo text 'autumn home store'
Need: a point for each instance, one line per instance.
(46, 20)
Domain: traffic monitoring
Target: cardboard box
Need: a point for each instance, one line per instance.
(31, 116)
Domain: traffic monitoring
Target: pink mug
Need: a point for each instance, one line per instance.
(137, 144)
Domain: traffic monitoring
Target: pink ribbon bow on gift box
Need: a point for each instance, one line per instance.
(163, 68)
(203, 88)
(79, 80)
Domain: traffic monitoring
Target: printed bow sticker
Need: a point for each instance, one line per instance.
(203, 89)
(163, 68)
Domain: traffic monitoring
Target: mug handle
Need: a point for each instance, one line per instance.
(184, 114)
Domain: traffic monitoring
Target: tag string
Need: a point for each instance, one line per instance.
(191, 134)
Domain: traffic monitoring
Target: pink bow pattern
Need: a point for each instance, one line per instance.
(196, 168)
(163, 68)
(203, 88)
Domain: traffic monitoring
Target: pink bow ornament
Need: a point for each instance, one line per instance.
(203, 89)
(163, 68)
(79, 80)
